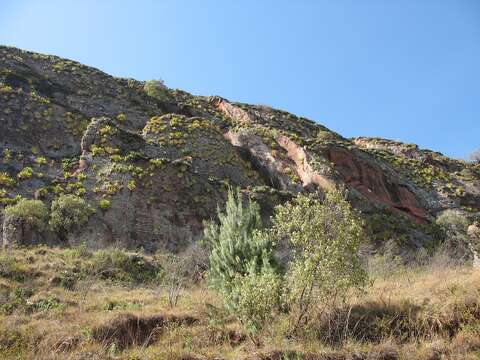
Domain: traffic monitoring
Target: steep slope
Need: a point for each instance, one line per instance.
(155, 168)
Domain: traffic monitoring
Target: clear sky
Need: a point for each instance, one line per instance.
(407, 70)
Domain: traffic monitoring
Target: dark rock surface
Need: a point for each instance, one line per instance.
(154, 170)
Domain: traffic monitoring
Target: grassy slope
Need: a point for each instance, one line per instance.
(413, 313)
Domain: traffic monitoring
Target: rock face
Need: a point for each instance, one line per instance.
(155, 169)
(366, 176)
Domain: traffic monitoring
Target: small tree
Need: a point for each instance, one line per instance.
(325, 237)
(242, 265)
(67, 213)
(173, 276)
(24, 220)
(235, 251)
(157, 90)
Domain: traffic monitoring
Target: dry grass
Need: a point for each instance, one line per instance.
(429, 313)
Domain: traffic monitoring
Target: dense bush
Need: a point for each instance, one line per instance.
(256, 298)
(325, 237)
(25, 220)
(157, 90)
(67, 213)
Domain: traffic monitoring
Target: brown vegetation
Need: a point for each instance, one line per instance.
(420, 313)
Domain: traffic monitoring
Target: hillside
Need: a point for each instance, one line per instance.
(155, 165)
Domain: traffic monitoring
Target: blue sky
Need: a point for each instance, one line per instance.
(407, 70)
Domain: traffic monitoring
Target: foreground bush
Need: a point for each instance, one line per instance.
(256, 298)
(235, 249)
(325, 236)
(242, 265)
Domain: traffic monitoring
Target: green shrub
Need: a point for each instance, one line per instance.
(235, 249)
(255, 299)
(157, 90)
(77, 252)
(118, 266)
(25, 173)
(67, 213)
(17, 300)
(451, 220)
(325, 237)
(104, 204)
(10, 268)
(6, 179)
(49, 303)
(27, 213)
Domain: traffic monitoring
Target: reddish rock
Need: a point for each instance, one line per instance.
(372, 182)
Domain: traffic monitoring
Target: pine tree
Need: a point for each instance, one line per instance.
(236, 250)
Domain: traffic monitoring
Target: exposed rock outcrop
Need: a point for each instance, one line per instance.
(155, 169)
(371, 181)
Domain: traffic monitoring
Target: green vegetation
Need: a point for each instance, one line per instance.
(67, 213)
(325, 236)
(457, 244)
(235, 249)
(104, 204)
(6, 179)
(117, 266)
(27, 213)
(157, 90)
(25, 173)
(256, 299)
(10, 268)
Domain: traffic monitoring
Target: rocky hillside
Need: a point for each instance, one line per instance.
(154, 166)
